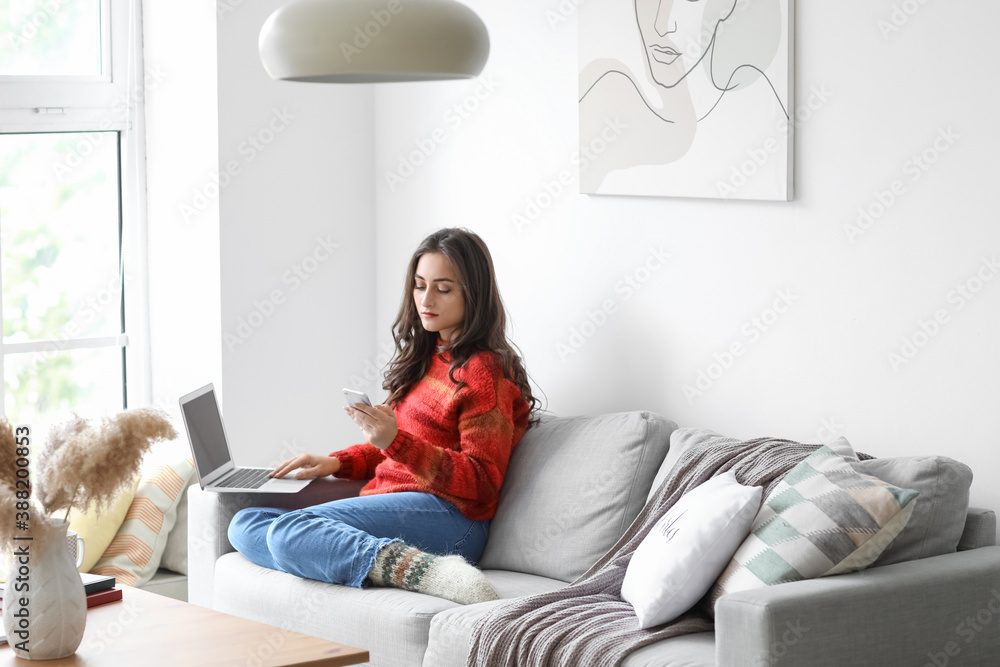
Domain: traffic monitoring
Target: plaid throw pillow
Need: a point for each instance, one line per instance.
(823, 518)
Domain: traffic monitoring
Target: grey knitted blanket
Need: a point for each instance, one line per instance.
(587, 623)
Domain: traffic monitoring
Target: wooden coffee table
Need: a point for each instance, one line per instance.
(153, 631)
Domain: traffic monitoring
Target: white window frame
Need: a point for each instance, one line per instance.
(110, 102)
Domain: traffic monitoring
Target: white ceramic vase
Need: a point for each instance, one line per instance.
(44, 604)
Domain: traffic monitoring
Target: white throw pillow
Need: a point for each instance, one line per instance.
(688, 548)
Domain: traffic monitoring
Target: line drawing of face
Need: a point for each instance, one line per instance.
(674, 36)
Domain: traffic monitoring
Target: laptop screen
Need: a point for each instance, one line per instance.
(204, 426)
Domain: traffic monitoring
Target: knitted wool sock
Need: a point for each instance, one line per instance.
(450, 577)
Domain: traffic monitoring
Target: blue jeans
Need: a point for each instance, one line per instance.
(337, 542)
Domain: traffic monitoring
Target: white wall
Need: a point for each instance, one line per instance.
(297, 315)
(822, 369)
(181, 115)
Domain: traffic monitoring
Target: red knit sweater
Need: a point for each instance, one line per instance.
(455, 446)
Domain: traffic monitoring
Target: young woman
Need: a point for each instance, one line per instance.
(436, 453)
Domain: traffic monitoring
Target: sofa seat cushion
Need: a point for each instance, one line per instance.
(391, 624)
(168, 584)
(572, 488)
(518, 584)
(697, 650)
(451, 633)
(451, 630)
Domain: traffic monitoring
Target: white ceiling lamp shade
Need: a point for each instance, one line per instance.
(373, 41)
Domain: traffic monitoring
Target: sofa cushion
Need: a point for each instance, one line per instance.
(695, 650)
(134, 555)
(451, 634)
(681, 440)
(175, 556)
(940, 511)
(822, 518)
(939, 515)
(510, 585)
(392, 624)
(169, 584)
(451, 630)
(572, 488)
(98, 528)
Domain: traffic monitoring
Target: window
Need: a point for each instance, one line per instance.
(71, 210)
(53, 38)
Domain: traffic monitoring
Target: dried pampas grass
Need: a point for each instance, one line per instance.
(8, 510)
(9, 522)
(79, 464)
(59, 434)
(8, 456)
(84, 463)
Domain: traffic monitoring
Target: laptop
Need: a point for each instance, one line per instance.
(213, 461)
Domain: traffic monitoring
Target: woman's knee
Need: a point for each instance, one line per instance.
(241, 523)
(248, 521)
(473, 544)
(288, 532)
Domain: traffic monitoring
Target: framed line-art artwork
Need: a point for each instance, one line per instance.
(686, 98)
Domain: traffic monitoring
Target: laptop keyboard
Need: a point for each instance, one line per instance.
(245, 478)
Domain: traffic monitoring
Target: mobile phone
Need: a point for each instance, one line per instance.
(356, 397)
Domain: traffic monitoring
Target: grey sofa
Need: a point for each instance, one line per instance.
(572, 488)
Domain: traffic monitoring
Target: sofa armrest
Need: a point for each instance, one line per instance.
(980, 529)
(935, 611)
(209, 514)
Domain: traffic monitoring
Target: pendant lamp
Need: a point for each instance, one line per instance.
(373, 41)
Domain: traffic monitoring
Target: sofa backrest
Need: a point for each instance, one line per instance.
(941, 521)
(571, 490)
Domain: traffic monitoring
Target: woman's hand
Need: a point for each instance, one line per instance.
(313, 466)
(377, 423)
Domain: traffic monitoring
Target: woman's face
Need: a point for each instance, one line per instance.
(672, 37)
(438, 295)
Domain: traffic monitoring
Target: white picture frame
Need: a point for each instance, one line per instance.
(687, 98)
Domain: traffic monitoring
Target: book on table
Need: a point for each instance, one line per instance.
(92, 583)
(99, 597)
(104, 597)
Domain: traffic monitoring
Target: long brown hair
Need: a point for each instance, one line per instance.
(483, 327)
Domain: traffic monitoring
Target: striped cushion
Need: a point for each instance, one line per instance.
(823, 518)
(98, 528)
(134, 554)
